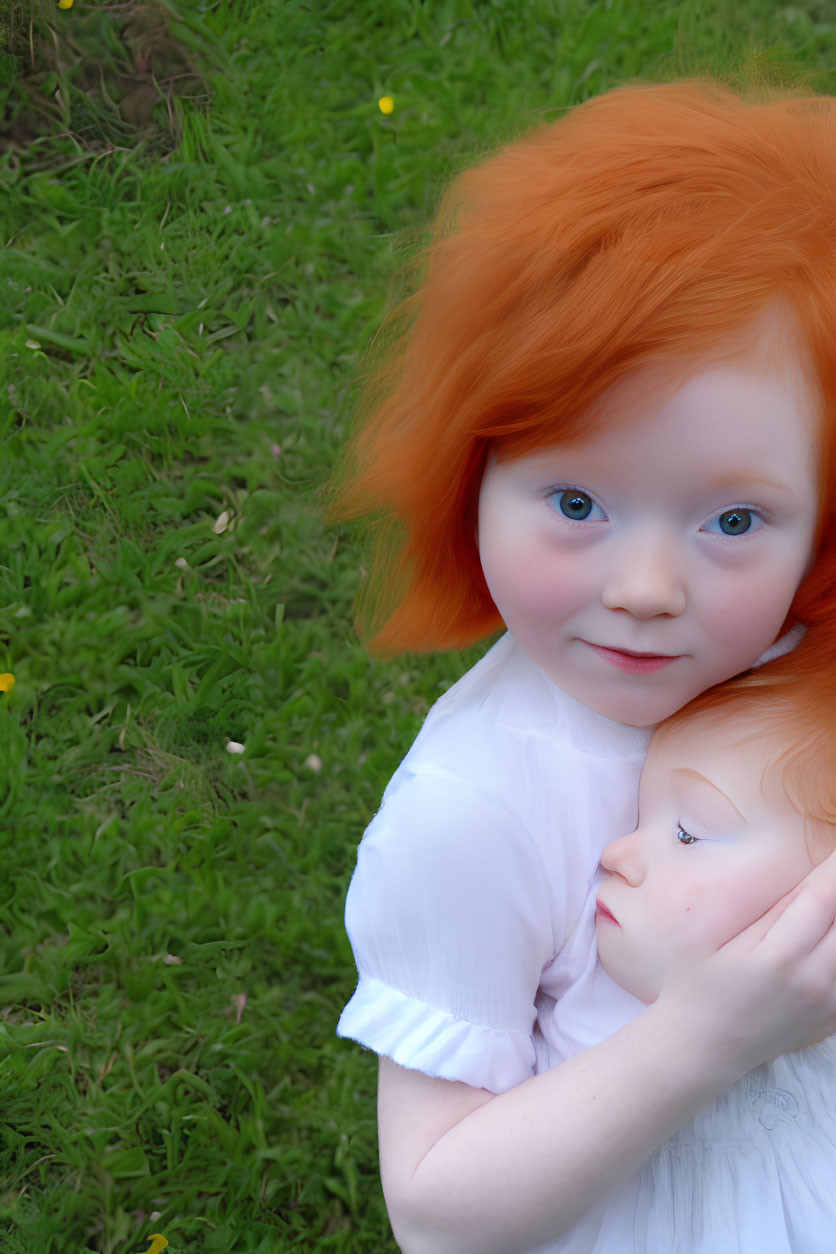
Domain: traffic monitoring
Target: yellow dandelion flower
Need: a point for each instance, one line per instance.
(7, 682)
(386, 104)
(65, 4)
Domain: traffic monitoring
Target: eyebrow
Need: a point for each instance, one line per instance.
(687, 770)
(739, 480)
(754, 481)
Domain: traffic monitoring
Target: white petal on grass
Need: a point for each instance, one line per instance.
(232, 746)
(221, 522)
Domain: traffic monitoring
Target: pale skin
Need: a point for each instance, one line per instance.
(658, 573)
(464, 1170)
(713, 850)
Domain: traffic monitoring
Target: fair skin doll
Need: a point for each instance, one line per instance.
(714, 852)
(608, 426)
(736, 807)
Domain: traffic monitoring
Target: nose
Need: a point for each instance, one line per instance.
(623, 857)
(646, 577)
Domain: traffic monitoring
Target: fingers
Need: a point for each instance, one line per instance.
(757, 930)
(799, 922)
(818, 886)
(778, 978)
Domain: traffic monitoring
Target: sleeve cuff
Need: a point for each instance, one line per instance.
(425, 1039)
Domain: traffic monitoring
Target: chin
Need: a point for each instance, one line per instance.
(640, 990)
(636, 709)
(643, 990)
(631, 714)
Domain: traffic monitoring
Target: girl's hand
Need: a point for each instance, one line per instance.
(772, 988)
(468, 1172)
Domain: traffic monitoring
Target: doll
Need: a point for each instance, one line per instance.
(608, 425)
(737, 802)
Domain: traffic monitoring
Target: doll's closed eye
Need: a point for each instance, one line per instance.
(685, 838)
(576, 505)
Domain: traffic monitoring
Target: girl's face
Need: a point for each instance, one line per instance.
(710, 855)
(658, 556)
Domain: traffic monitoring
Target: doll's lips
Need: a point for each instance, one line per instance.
(603, 915)
(638, 663)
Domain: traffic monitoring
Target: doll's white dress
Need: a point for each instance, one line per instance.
(753, 1173)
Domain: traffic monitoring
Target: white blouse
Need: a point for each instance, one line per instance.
(471, 918)
(472, 875)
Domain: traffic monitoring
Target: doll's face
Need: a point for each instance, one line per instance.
(710, 855)
(660, 555)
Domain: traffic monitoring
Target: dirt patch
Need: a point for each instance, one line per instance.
(106, 76)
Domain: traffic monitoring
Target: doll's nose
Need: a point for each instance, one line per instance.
(646, 578)
(623, 857)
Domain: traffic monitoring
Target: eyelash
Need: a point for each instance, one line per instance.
(761, 515)
(552, 499)
(680, 832)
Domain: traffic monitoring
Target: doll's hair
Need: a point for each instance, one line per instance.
(787, 710)
(651, 227)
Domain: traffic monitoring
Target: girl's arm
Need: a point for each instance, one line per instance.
(464, 1170)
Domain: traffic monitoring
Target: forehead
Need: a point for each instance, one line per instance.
(770, 347)
(746, 415)
(728, 748)
(691, 392)
(726, 428)
(785, 794)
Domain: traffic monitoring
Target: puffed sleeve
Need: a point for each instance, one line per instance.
(449, 917)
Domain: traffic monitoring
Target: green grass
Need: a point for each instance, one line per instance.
(180, 336)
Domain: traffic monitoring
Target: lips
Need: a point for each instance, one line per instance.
(613, 648)
(636, 653)
(603, 915)
(629, 660)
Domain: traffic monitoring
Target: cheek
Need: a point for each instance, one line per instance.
(770, 596)
(694, 916)
(689, 916)
(532, 583)
(708, 911)
(745, 619)
(762, 588)
(545, 597)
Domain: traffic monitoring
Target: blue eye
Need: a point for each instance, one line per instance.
(685, 838)
(576, 505)
(735, 522)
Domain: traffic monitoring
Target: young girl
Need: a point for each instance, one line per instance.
(609, 424)
(737, 803)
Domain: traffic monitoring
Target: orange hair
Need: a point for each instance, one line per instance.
(789, 708)
(650, 226)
